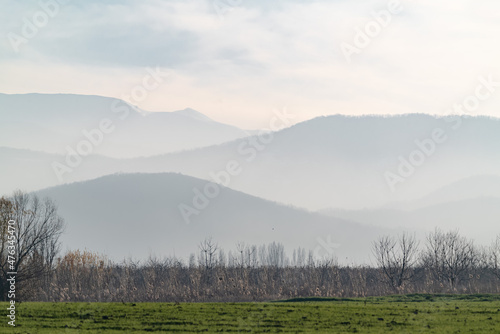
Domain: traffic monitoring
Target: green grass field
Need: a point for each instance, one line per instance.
(397, 314)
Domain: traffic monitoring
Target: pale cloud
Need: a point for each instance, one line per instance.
(262, 55)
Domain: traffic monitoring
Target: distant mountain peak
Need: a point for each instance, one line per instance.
(194, 114)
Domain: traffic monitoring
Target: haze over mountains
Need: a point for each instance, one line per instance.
(336, 161)
(342, 162)
(49, 123)
(411, 172)
(471, 205)
(138, 215)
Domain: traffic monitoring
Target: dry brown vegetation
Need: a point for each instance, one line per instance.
(446, 262)
(211, 276)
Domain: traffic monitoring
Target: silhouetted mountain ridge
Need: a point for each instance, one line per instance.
(135, 214)
(50, 122)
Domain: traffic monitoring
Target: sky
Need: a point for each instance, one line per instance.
(237, 61)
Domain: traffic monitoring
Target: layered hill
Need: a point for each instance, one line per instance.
(328, 162)
(137, 215)
(471, 206)
(350, 162)
(51, 122)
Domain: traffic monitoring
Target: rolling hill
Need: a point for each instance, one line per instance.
(328, 162)
(135, 215)
(51, 122)
(471, 205)
(343, 162)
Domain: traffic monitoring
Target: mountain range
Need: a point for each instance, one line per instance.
(51, 122)
(337, 173)
(138, 215)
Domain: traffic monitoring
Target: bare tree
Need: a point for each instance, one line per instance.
(276, 256)
(240, 247)
(450, 256)
(208, 251)
(86, 276)
(397, 258)
(247, 255)
(493, 257)
(299, 257)
(29, 240)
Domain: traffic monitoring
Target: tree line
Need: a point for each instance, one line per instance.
(445, 262)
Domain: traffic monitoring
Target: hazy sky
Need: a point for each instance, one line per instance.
(237, 60)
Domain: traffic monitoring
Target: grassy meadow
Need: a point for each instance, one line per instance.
(397, 314)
